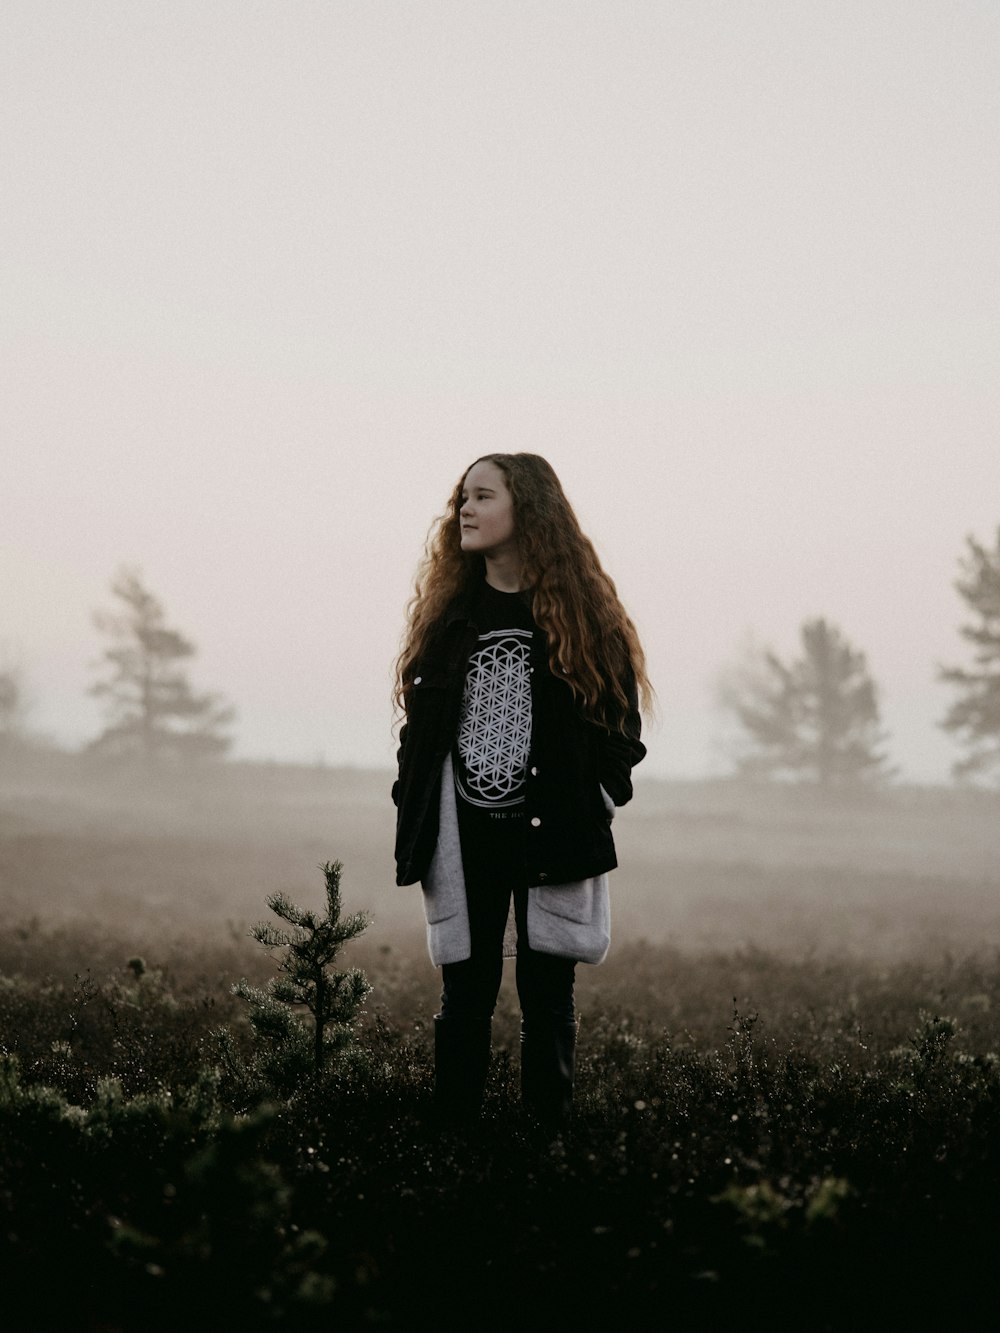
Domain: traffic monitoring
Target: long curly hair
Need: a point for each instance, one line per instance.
(593, 644)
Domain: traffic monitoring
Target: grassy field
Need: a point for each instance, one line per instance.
(788, 1084)
(704, 865)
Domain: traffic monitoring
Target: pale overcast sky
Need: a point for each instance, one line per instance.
(273, 274)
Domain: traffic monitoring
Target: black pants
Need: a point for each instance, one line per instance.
(544, 982)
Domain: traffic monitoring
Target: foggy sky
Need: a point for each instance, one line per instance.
(273, 274)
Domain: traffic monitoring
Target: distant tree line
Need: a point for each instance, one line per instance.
(812, 717)
(974, 717)
(816, 716)
(13, 706)
(152, 710)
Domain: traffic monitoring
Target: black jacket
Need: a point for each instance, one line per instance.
(567, 826)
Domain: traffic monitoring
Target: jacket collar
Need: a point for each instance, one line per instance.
(460, 612)
(461, 606)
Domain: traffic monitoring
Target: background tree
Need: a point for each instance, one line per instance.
(150, 705)
(14, 704)
(974, 717)
(815, 717)
(11, 703)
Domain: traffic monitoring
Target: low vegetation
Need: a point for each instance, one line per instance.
(787, 1095)
(759, 1143)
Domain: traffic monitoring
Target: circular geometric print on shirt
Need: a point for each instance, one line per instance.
(494, 730)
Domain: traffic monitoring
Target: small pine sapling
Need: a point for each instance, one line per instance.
(311, 943)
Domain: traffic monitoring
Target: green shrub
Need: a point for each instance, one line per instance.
(286, 1054)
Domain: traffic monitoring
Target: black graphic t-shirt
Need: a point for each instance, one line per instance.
(493, 740)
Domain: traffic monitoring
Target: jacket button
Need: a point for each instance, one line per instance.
(542, 877)
(535, 822)
(534, 772)
(417, 680)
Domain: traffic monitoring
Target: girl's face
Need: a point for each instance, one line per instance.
(486, 515)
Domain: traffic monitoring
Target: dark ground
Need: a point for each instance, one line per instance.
(788, 1084)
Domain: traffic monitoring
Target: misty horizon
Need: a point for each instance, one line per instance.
(274, 277)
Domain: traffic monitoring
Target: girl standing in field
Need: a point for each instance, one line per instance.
(519, 678)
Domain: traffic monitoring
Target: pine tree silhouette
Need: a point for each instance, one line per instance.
(305, 981)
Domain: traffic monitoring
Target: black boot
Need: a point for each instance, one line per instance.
(461, 1062)
(548, 1063)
